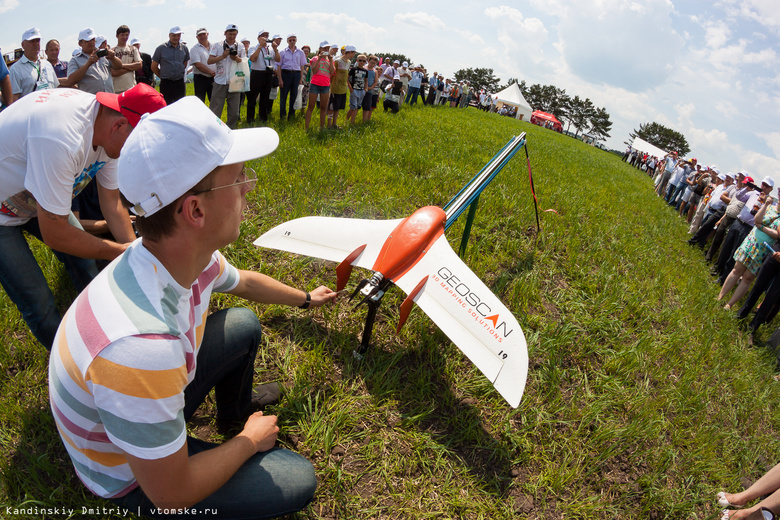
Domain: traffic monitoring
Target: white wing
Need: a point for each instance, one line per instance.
(330, 238)
(453, 297)
(476, 321)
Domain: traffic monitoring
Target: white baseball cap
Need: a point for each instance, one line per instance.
(100, 40)
(31, 34)
(350, 48)
(334, 46)
(173, 149)
(262, 32)
(405, 64)
(87, 34)
(200, 31)
(768, 180)
(245, 39)
(324, 44)
(231, 27)
(277, 37)
(134, 41)
(175, 30)
(291, 35)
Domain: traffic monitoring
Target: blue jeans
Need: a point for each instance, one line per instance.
(291, 79)
(269, 484)
(23, 280)
(413, 93)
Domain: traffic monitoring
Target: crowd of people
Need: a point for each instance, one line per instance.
(235, 70)
(733, 220)
(138, 351)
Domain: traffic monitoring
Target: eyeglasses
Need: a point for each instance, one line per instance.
(361, 61)
(249, 176)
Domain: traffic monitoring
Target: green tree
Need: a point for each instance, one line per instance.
(478, 79)
(391, 55)
(600, 125)
(582, 111)
(662, 137)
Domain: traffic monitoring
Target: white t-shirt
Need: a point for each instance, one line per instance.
(25, 75)
(46, 153)
(222, 68)
(200, 54)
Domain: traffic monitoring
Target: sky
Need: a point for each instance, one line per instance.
(708, 69)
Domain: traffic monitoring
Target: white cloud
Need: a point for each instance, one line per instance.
(470, 36)
(7, 5)
(630, 44)
(523, 38)
(147, 3)
(765, 12)
(194, 4)
(419, 19)
(337, 28)
(726, 108)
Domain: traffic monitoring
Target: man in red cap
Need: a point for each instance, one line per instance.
(56, 141)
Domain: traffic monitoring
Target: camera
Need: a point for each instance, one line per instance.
(233, 51)
(102, 53)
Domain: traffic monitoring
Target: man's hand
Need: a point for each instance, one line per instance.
(322, 295)
(93, 58)
(261, 430)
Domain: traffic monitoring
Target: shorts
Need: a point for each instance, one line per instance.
(337, 102)
(317, 89)
(374, 101)
(356, 99)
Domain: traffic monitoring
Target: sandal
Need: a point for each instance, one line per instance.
(723, 501)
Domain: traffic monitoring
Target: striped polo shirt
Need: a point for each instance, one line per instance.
(123, 355)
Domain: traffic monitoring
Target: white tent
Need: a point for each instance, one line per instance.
(512, 96)
(643, 146)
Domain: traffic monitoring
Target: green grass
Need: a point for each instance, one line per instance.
(643, 398)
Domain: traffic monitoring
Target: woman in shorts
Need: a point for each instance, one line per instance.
(322, 67)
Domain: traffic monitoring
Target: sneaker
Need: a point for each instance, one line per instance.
(265, 394)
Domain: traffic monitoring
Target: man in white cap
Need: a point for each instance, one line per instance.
(138, 351)
(31, 73)
(263, 58)
(406, 75)
(90, 67)
(169, 62)
(222, 55)
(55, 142)
(202, 73)
(292, 62)
(339, 87)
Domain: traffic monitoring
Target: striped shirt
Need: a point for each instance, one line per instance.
(123, 355)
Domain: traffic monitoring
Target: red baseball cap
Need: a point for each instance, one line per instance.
(139, 100)
(749, 179)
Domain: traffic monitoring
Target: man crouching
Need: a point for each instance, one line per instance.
(137, 352)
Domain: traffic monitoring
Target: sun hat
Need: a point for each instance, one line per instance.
(133, 103)
(31, 34)
(173, 149)
(175, 30)
(87, 34)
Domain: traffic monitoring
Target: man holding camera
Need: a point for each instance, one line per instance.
(91, 67)
(263, 58)
(223, 54)
(169, 62)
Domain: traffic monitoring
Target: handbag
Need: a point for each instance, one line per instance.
(238, 75)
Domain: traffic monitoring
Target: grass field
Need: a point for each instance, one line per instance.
(643, 398)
